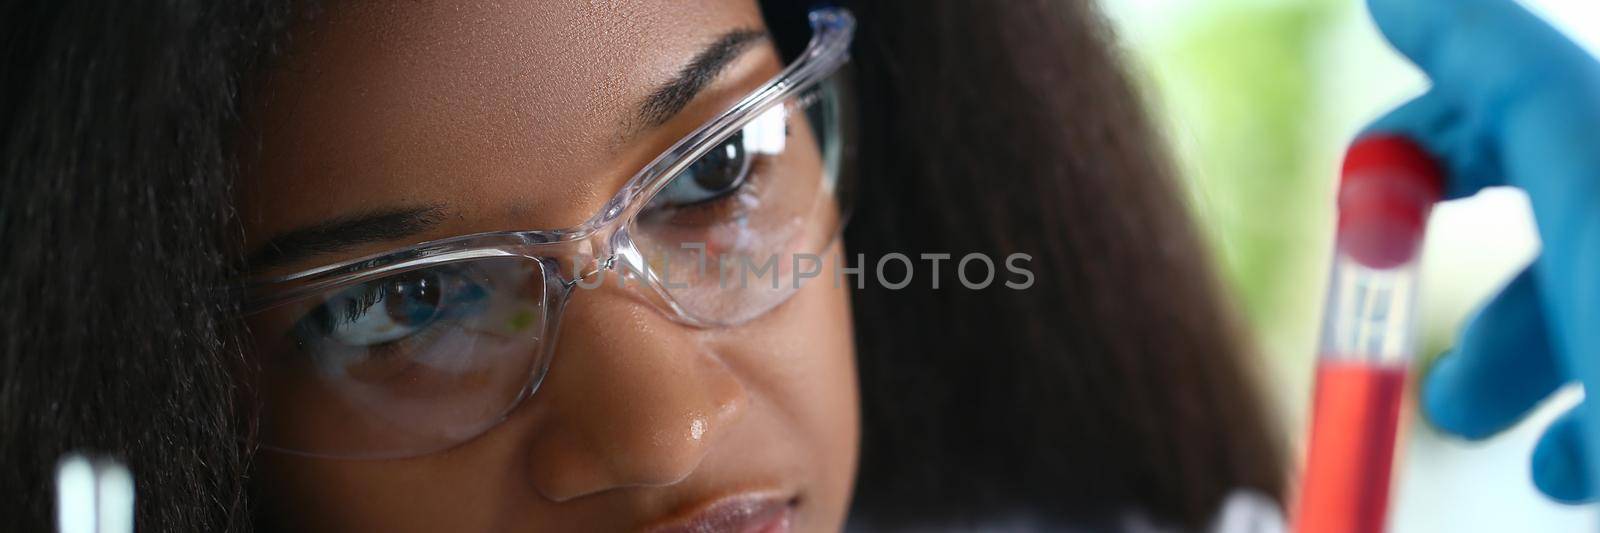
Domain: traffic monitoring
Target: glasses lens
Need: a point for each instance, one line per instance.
(402, 364)
(737, 231)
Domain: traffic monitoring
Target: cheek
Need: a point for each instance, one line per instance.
(800, 359)
(800, 425)
(301, 494)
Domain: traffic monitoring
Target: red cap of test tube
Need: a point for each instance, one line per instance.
(1388, 186)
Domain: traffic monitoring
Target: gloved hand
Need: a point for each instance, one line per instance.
(1515, 103)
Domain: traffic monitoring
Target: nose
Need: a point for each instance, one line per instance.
(633, 399)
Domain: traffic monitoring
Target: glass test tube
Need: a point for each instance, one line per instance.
(1389, 186)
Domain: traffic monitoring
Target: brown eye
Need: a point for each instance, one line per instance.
(412, 298)
(393, 308)
(716, 174)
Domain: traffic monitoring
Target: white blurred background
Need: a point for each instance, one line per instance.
(1259, 99)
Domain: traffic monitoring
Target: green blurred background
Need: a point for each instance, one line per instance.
(1258, 99)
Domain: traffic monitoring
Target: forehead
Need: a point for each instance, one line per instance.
(461, 102)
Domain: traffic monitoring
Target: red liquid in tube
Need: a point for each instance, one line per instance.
(1388, 188)
(1357, 417)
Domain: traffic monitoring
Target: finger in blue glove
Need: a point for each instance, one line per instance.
(1514, 103)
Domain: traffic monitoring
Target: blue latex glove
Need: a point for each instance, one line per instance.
(1515, 103)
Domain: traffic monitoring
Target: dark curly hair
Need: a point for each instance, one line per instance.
(1117, 382)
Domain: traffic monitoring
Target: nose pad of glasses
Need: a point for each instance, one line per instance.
(626, 263)
(631, 273)
(633, 270)
(595, 270)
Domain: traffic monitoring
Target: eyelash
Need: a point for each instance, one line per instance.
(724, 206)
(306, 335)
(721, 207)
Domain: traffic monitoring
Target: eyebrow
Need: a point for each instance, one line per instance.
(670, 98)
(345, 232)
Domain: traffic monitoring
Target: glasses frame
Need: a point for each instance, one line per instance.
(600, 244)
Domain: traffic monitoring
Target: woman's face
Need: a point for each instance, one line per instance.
(525, 115)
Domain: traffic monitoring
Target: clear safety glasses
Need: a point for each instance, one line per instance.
(416, 350)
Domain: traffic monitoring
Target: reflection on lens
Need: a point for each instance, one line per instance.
(724, 237)
(714, 176)
(405, 363)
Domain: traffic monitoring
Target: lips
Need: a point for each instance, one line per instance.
(749, 513)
